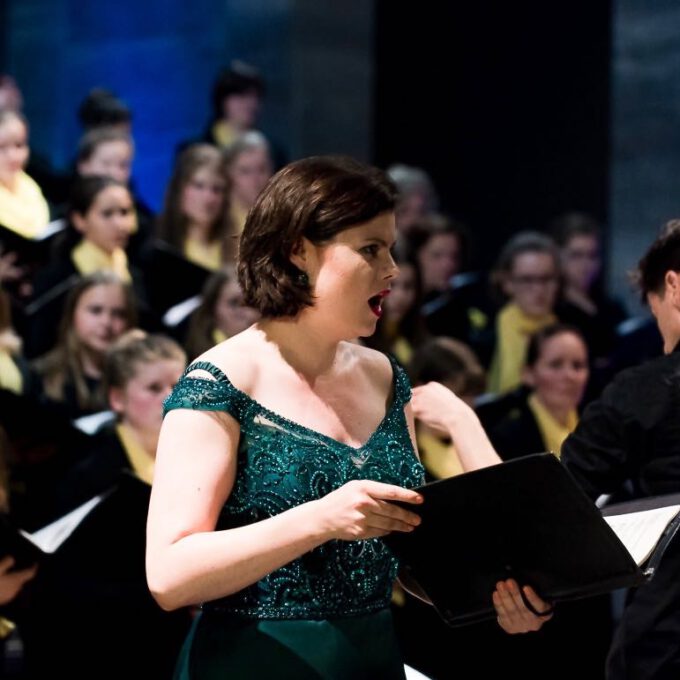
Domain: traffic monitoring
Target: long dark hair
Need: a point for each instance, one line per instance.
(172, 224)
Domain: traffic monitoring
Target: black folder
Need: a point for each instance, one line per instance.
(170, 277)
(95, 521)
(31, 251)
(14, 543)
(525, 519)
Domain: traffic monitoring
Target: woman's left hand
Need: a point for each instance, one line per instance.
(512, 614)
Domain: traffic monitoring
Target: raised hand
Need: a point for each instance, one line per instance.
(439, 408)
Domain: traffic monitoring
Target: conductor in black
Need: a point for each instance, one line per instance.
(630, 438)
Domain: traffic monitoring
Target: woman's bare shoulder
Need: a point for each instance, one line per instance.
(237, 358)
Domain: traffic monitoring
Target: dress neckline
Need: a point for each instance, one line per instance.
(220, 375)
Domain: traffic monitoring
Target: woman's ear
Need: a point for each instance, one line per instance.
(672, 287)
(117, 400)
(528, 377)
(78, 221)
(505, 284)
(299, 254)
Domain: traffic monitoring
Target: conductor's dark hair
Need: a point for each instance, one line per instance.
(661, 257)
(313, 198)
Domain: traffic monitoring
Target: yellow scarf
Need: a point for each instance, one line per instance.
(218, 336)
(439, 458)
(553, 432)
(513, 330)
(224, 134)
(24, 210)
(207, 256)
(142, 463)
(89, 258)
(399, 345)
(10, 375)
(238, 217)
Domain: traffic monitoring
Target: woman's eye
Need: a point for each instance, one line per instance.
(370, 250)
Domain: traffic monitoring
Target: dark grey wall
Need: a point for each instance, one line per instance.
(645, 131)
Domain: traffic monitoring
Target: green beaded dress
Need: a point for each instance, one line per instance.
(326, 614)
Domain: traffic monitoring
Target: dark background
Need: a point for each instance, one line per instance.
(519, 111)
(508, 110)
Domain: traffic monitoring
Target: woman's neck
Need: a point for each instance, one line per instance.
(11, 183)
(92, 363)
(239, 204)
(580, 298)
(302, 345)
(199, 231)
(560, 415)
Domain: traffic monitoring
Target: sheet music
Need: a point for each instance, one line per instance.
(641, 531)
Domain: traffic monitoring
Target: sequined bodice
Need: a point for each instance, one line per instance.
(282, 464)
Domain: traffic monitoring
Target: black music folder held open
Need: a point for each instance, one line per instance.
(525, 519)
(90, 525)
(169, 277)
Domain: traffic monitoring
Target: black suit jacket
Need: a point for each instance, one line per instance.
(633, 433)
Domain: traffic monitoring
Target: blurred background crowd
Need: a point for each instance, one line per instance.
(115, 273)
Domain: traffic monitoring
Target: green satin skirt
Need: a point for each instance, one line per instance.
(222, 646)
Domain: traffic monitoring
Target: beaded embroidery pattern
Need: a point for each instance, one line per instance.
(282, 464)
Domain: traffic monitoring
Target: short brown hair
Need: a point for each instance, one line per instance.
(313, 198)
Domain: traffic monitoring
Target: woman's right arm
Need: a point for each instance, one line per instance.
(188, 562)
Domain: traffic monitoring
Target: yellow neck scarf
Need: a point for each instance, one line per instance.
(24, 210)
(553, 432)
(398, 344)
(238, 216)
(208, 256)
(218, 336)
(513, 329)
(440, 459)
(89, 258)
(141, 462)
(224, 134)
(10, 375)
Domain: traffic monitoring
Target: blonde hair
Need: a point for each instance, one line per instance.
(136, 348)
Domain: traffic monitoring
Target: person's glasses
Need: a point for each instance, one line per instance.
(525, 281)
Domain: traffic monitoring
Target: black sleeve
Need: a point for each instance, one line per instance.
(601, 453)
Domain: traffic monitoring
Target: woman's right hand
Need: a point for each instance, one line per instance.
(362, 509)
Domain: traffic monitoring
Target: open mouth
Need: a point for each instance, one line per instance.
(375, 302)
